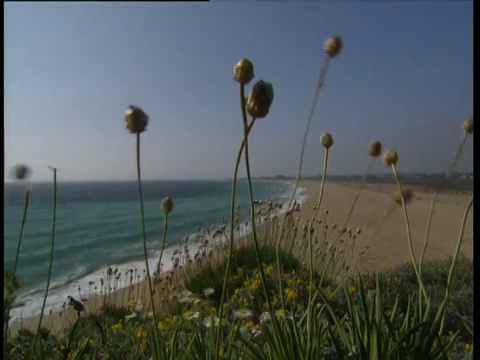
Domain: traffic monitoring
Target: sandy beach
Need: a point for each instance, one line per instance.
(382, 225)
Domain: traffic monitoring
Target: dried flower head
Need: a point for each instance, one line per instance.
(260, 99)
(390, 157)
(136, 119)
(327, 140)
(243, 71)
(375, 149)
(333, 45)
(21, 172)
(467, 126)
(407, 195)
(167, 205)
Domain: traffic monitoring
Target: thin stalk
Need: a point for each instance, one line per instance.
(409, 234)
(321, 82)
(22, 226)
(50, 265)
(357, 195)
(232, 225)
(434, 202)
(455, 256)
(164, 241)
(250, 192)
(355, 199)
(310, 290)
(144, 233)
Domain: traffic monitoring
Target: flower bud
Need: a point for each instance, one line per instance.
(136, 119)
(333, 45)
(467, 126)
(406, 194)
(21, 172)
(390, 157)
(327, 140)
(167, 205)
(243, 71)
(375, 149)
(259, 99)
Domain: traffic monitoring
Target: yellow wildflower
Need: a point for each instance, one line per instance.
(249, 325)
(117, 326)
(240, 272)
(270, 271)
(451, 333)
(469, 347)
(291, 293)
(212, 310)
(352, 290)
(291, 282)
(140, 333)
(163, 326)
(143, 346)
(330, 294)
(91, 342)
(255, 285)
(281, 312)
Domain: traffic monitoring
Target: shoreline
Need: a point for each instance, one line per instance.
(387, 242)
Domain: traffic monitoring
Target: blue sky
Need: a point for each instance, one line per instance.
(405, 77)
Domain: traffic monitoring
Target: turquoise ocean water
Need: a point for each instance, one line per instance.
(98, 225)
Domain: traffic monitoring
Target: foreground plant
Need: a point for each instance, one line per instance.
(391, 159)
(21, 173)
(257, 105)
(52, 246)
(332, 48)
(136, 122)
(467, 129)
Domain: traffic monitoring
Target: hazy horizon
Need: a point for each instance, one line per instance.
(404, 77)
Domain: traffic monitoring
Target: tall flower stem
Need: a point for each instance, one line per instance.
(232, 225)
(164, 242)
(250, 193)
(434, 202)
(144, 233)
(409, 234)
(310, 246)
(19, 244)
(320, 83)
(437, 194)
(50, 264)
(455, 256)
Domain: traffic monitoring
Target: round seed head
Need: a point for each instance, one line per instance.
(136, 119)
(260, 99)
(327, 140)
(21, 172)
(333, 45)
(407, 195)
(243, 71)
(375, 149)
(390, 157)
(467, 126)
(167, 205)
